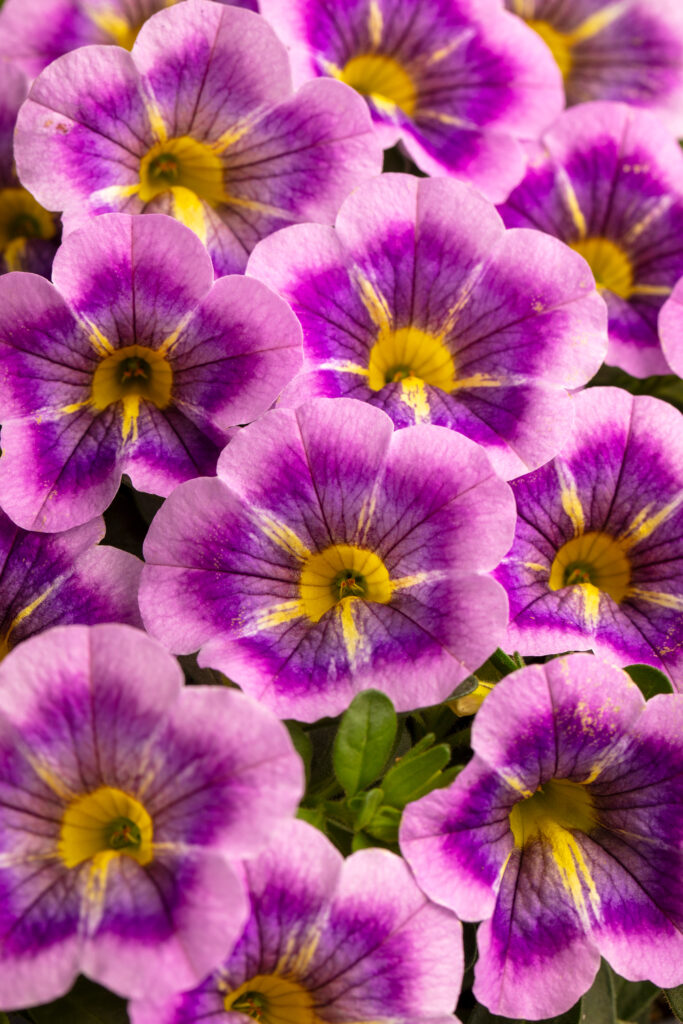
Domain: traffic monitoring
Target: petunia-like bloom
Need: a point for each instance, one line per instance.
(134, 361)
(33, 33)
(29, 235)
(331, 555)
(671, 329)
(627, 50)
(458, 82)
(55, 579)
(564, 834)
(597, 560)
(608, 180)
(328, 940)
(421, 303)
(124, 800)
(199, 121)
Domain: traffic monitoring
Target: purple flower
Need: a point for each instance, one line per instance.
(332, 555)
(134, 361)
(608, 180)
(421, 303)
(564, 833)
(124, 799)
(671, 329)
(459, 82)
(630, 51)
(54, 579)
(328, 940)
(199, 121)
(33, 33)
(29, 235)
(597, 560)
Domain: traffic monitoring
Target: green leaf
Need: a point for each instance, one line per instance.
(413, 776)
(364, 807)
(302, 745)
(364, 740)
(674, 998)
(480, 1015)
(86, 1003)
(650, 681)
(633, 997)
(599, 1005)
(384, 825)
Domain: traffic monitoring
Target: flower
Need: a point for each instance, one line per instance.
(50, 579)
(134, 361)
(564, 833)
(29, 235)
(608, 180)
(199, 122)
(125, 800)
(458, 82)
(331, 555)
(630, 51)
(597, 559)
(328, 939)
(420, 302)
(671, 329)
(33, 33)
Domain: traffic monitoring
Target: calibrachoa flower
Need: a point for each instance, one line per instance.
(564, 833)
(597, 559)
(328, 939)
(33, 33)
(125, 798)
(421, 303)
(53, 579)
(459, 82)
(608, 180)
(331, 555)
(199, 121)
(630, 51)
(28, 233)
(671, 329)
(134, 361)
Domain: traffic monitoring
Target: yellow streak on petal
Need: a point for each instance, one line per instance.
(233, 135)
(24, 614)
(645, 524)
(298, 954)
(598, 21)
(374, 302)
(659, 210)
(574, 871)
(479, 380)
(188, 208)
(365, 516)
(345, 366)
(443, 52)
(269, 618)
(156, 121)
(517, 785)
(658, 597)
(168, 343)
(535, 566)
(253, 204)
(571, 199)
(651, 289)
(131, 411)
(375, 24)
(48, 777)
(570, 498)
(102, 345)
(590, 596)
(353, 641)
(442, 118)
(111, 193)
(414, 395)
(282, 535)
(428, 576)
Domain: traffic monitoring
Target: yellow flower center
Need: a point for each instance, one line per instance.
(342, 572)
(592, 559)
(559, 43)
(128, 375)
(611, 266)
(383, 79)
(410, 353)
(105, 824)
(559, 803)
(21, 218)
(272, 1000)
(182, 163)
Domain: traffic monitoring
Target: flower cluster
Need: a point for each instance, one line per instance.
(359, 442)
